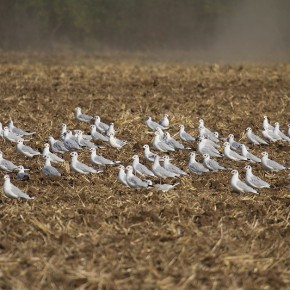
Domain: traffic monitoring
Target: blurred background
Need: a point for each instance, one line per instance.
(207, 29)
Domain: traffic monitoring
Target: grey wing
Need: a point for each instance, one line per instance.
(236, 155)
(198, 168)
(19, 192)
(59, 146)
(50, 171)
(259, 182)
(259, 139)
(138, 182)
(29, 150)
(120, 142)
(22, 176)
(275, 164)
(253, 157)
(103, 160)
(86, 117)
(143, 169)
(177, 144)
(84, 167)
(187, 137)
(8, 164)
(215, 165)
(245, 187)
(99, 136)
(71, 144)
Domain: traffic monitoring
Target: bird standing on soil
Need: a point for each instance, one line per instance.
(21, 175)
(82, 117)
(196, 167)
(238, 186)
(12, 191)
(270, 165)
(49, 170)
(80, 167)
(184, 135)
(18, 131)
(255, 139)
(26, 150)
(253, 180)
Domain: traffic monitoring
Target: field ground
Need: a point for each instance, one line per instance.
(92, 232)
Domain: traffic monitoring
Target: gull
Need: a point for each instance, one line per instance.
(21, 175)
(172, 142)
(184, 135)
(171, 167)
(82, 117)
(63, 129)
(57, 146)
(211, 164)
(122, 175)
(248, 155)
(153, 125)
(80, 167)
(49, 170)
(116, 143)
(12, 191)
(84, 136)
(160, 171)
(140, 168)
(160, 144)
(70, 143)
(96, 135)
(208, 142)
(150, 156)
(205, 133)
(239, 186)
(26, 150)
(11, 136)
(53, 157)
(269, 164)
(253, 180)
(234, 144)
(6, 164)
(1, 130)
(203, 147)
(233, 155)
(161, 133)
(255, 139)
(164, 122)
(266, 125)
(18, 131)
(100, 160)
(134, 181)
(195, 166)
(270, 135)
(102, 127)
(85, 143)
(111, 130)
(165, 187)
(202, 126)
(279, 133)
(289, 130)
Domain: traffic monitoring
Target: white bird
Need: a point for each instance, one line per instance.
(1, 130)
(160, 144)
(98, 136)
(270, 165)
(18, 131)
(164, 122)
(12, 191)
(6, 164)
(248, 155)
(26, 150)
(21, 175)
(203, 147)
(82, 117)
(253, 180)
(279, 133)
(211, 164)
(266, 125)
(150, 156)
(134, 181)
(102, 127)
(208, 134)
(153, 125)
(111, 130)
(161, 133)
(100, 160)
(63, 129)
(160, 171)
(184, 135)
(172, 142)
(165, 187)
(116, 143)
(171, 167)
(70, 143)
(85, 143)
(122, 175)
(205, 131)
(57, 146)
(234, 144)
(80, 167)
(53, 157)
(12, 137)
(270, 135)
(233, 155)
(255, 139)
(49, 170)
(215, 138)
(239, 186)
(208, 142)
(196, 167)
(289, 130)
(140, 168)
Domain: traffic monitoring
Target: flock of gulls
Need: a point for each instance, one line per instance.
(138, 175)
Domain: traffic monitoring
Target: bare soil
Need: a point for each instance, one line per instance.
(91, 232)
